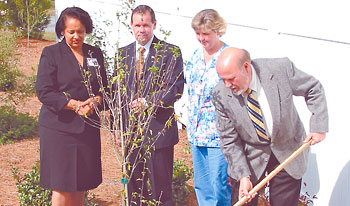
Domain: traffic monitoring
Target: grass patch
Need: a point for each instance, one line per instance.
(15, 125)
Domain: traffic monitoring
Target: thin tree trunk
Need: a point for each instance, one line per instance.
(27, 3)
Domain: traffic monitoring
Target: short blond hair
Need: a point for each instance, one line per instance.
(209, 19)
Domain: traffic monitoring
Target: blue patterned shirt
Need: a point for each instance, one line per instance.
(201, 79)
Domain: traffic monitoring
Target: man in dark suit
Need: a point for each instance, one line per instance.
(154, 81)
(250, 153)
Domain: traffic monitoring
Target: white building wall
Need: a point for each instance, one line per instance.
(315, 35)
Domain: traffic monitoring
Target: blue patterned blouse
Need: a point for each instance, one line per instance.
(201, 79)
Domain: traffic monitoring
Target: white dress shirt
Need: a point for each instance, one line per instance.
(259, 92)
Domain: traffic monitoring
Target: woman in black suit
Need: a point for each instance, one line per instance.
(70, 149)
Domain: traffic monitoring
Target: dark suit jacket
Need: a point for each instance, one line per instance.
(60, 79)
(160, 56)
(245, 152)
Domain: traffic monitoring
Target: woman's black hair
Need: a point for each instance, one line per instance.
(74, 12)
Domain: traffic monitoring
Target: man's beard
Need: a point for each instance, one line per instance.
(243, 89)
(239, 91)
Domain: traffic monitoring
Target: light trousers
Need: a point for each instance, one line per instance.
(210, 176)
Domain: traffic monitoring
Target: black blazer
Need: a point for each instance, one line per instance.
(60, 79)
(175, 80)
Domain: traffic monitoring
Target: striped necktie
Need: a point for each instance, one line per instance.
(140, 62)
(255, 115)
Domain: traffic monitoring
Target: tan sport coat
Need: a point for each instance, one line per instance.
(244, 152)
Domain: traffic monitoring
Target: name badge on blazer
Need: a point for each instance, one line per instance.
(92, 62)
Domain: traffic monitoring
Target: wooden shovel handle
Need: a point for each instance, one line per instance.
(273, 173)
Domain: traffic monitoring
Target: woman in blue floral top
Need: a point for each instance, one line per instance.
(209, 164)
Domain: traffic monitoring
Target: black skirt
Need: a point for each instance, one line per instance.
(70, 162)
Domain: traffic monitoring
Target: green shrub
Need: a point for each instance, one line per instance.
(3, 14)
(12, 79)
(37, 20)
(8, 61)
(27, 88)
(8, 79)
(181, 190)
(30, 193)
(14, 125)
(89, 201)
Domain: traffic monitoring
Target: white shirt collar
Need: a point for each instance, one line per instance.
(255, 82)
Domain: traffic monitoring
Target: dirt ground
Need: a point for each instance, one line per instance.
(24, 154)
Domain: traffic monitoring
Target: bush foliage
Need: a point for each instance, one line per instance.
(30, 193)
(12, 79)
(181, 190)
(27, 86)
(28, 15)
(14, 125)
(8, 61)
(3, 12)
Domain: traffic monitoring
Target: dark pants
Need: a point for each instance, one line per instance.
(284, 190)
(156, 184)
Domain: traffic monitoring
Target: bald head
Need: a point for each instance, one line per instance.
(231, 58)
(233, 67)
